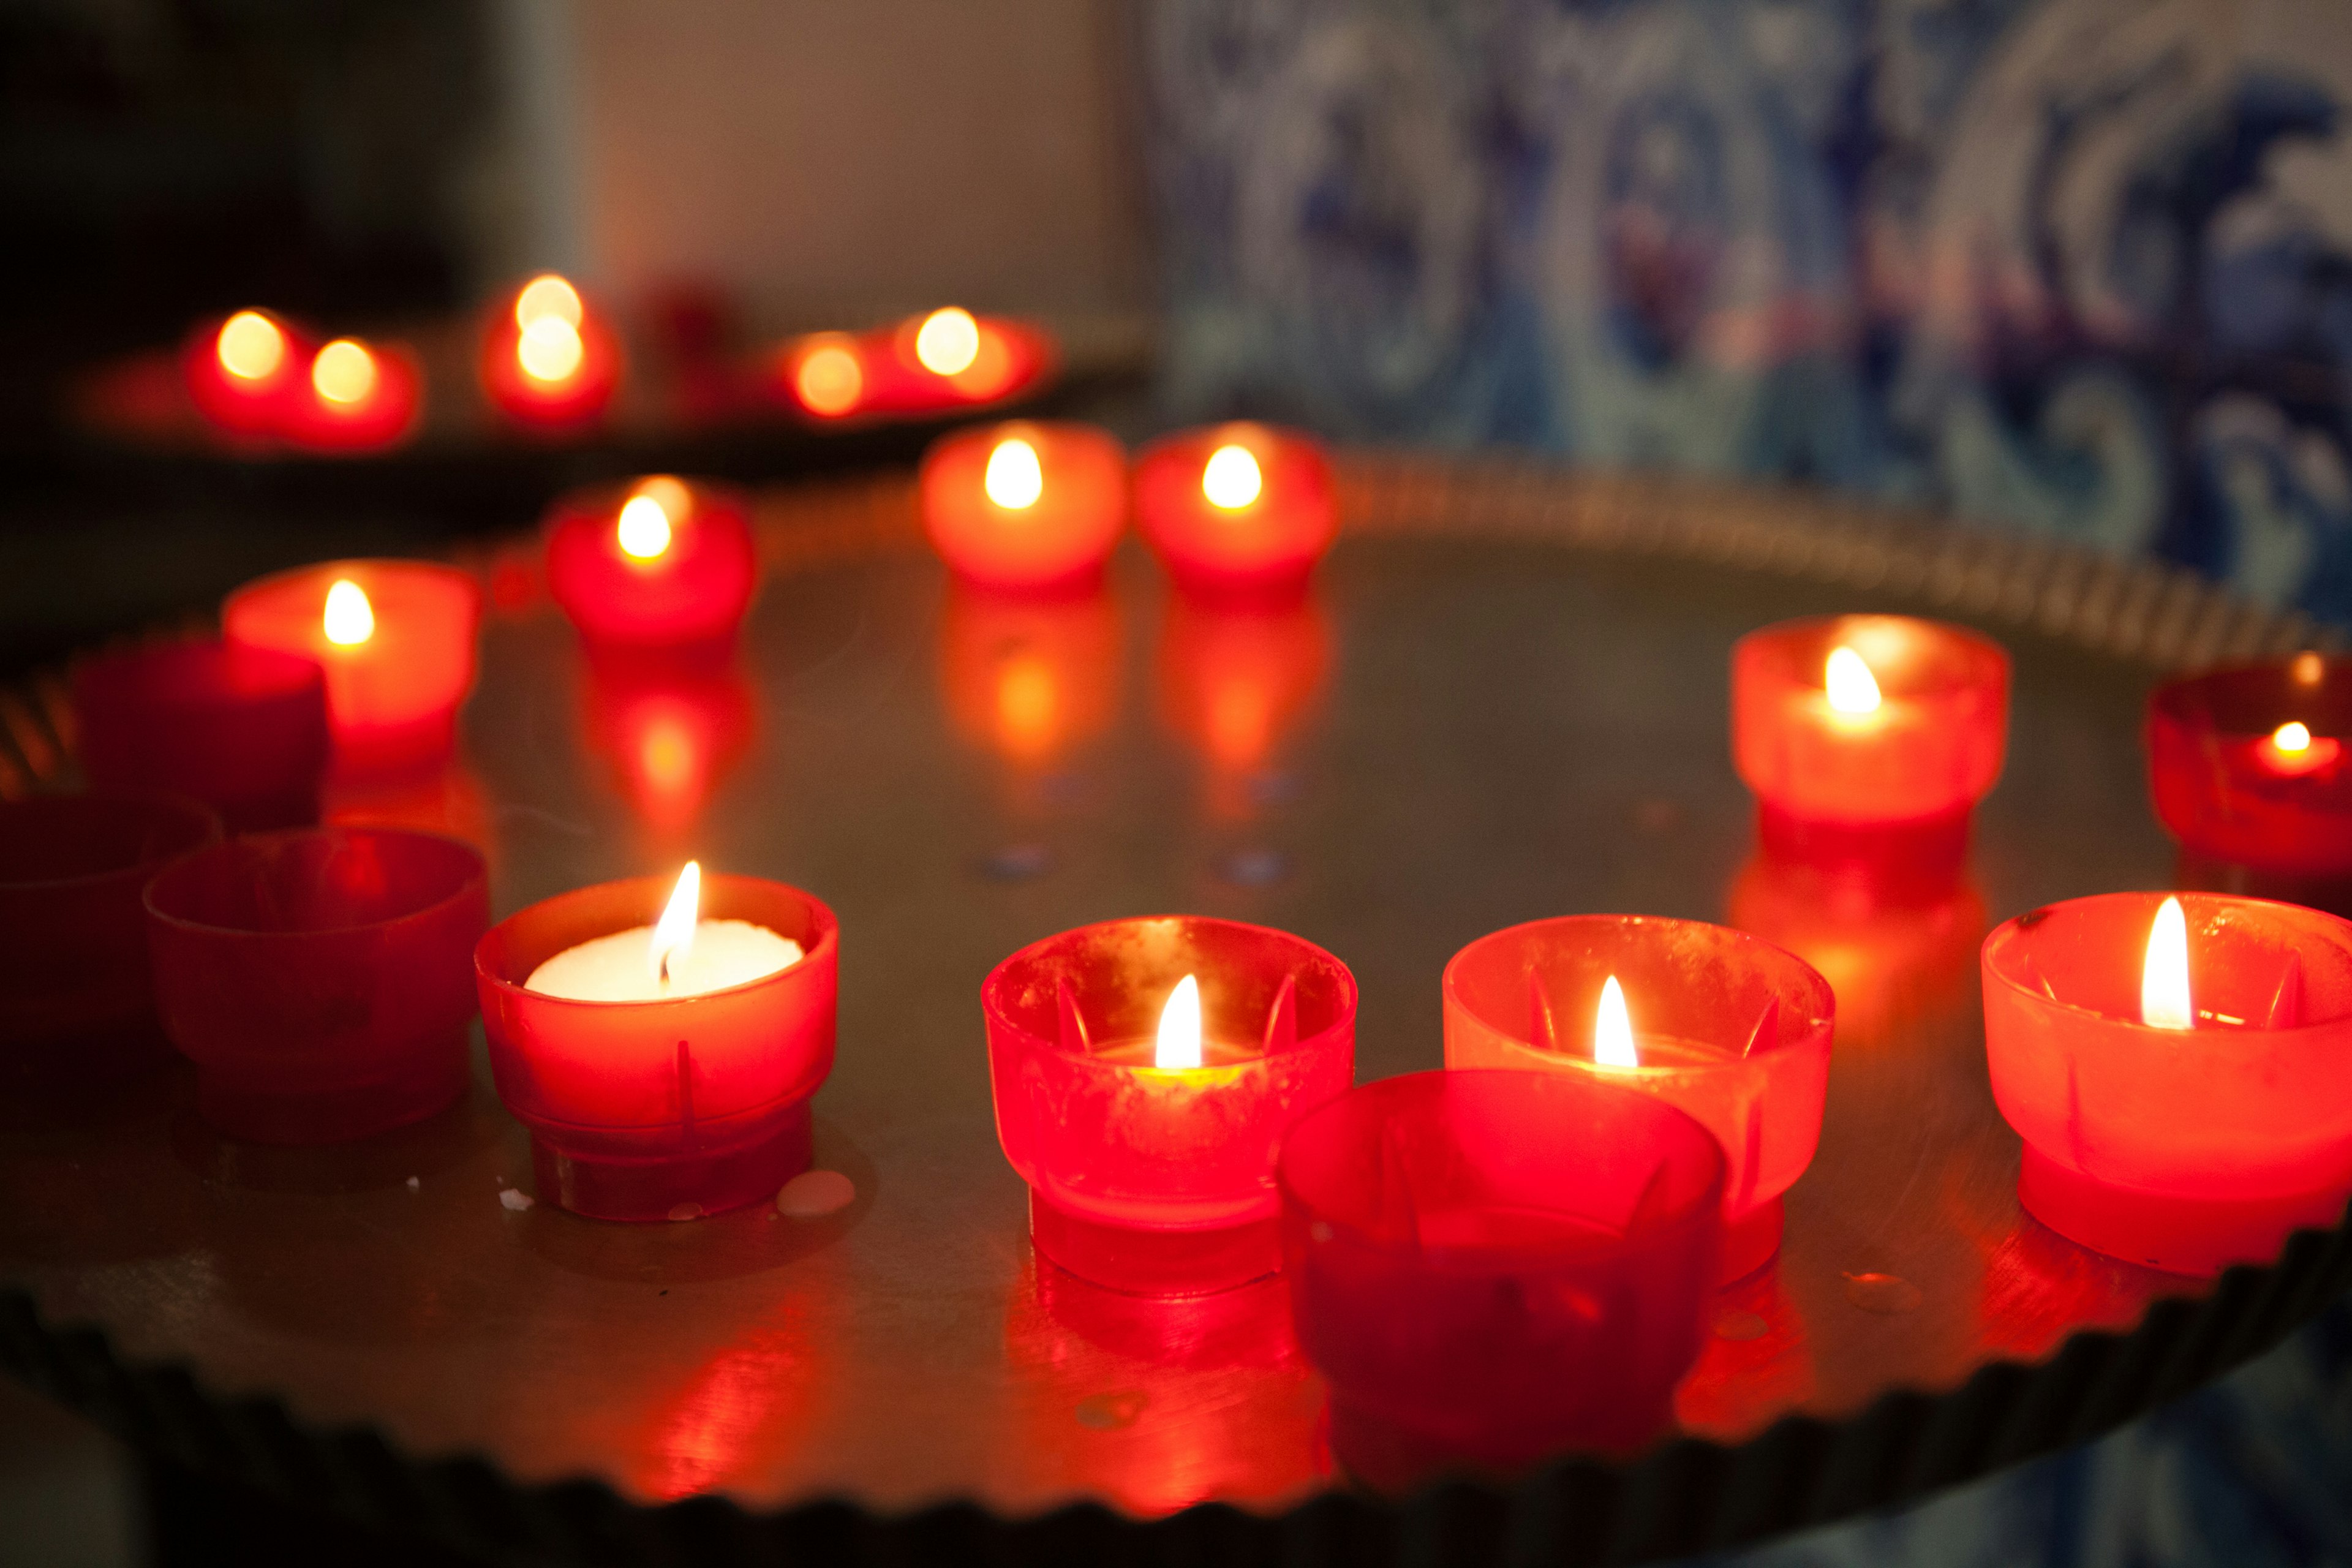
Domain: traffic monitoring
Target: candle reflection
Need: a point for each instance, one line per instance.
(669, 735)
(1236, 681)
(1030, 678)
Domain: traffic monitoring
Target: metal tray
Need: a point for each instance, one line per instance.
(1506, 699)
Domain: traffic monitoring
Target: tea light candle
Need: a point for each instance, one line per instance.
(395, 639)
(243, 730)
(659, 563)
(665, 1069)
(2247, 765)
(356, 397)
(246, 373)
(318, 978)
(550, 363)
(1144, 1072)
(1026, 505)
(1493, 1268)
(934, 364)
(1245, 509)
(1730, 1029)
(2175, 1065)
(1868, 735)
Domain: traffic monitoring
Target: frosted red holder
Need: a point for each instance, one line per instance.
(2226, 790)
(1493, 1268)
(1896, 782)
(563, 404)
(1159, 1181)
(2182, 1149)
(1727, 1026)
(1267, 546)
(662, 1110)
(243, 730)
(75, 997)
(256, 408)
(318, 978)
(691, 595)
(1058, 538)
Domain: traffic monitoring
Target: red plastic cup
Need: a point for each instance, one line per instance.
(318, 978)
(671, 1109)
(1253, 528)
(2226, 788)
(1727, 1026)
(1159, 1181)
(2185, 1150)
(243, 730)
(1055, 535)
(1494, 1267)
(79, 1003)
(689, 588)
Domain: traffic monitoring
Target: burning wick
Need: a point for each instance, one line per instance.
(350, 619)
(1230, 478)
(1850, 686)
(1613, 1029)
(2291, 737)
(250, 346)
(948, 341)
(343, 372)
(2164, 979)
(1180, 1027)
(644, 528)
(1014, 480)
(674, 932)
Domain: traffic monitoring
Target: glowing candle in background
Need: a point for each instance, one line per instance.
(245, 374)
(2246, 766)
(1236, 508)
(827, 374)
(549, 361)
(1025, 506)
(658, 564)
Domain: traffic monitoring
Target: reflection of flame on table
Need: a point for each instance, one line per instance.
(736, 1405)
(1887, 957)
(1030, 678)
(1236, 679)
(670, 736)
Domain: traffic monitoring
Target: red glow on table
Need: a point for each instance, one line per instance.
(934, 364)
(1236, 508)
(672, 1107)
(1235, 681)
(73, 937)
(1026, 505)
(1725, 1025)
(244, 730)
(2183, 1082)
(1148, 1174)
(1494, 1267)
(1030, 677)
(549, 360)
(318, 978)
(395, 639)
(356, 397)
(2247, 767)
(247, 372)
(1868, 736)
(656, 563)
(1889, 955)
(671, 735)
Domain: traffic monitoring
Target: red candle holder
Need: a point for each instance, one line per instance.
(2185, 1150)
(1159, 1181)
(938, 364)
(247, 372)
(656, 564)
(73, 942)
(1493, 1268)
(550, 363)
(1724, 1026)
(1868, 737)
(669, 1109)
(1026, 505)
(398, 661)
(2247, 765)
(317, 978)
(1236, 508)
(356, 397)
(242, 729)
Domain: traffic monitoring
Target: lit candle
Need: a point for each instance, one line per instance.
(946, 360)
(2175, 1064)
(658, 564)
(395, 639)
(244, 730)
(2246, 764)
(1493, 1268)
(665, 1069)
(1025, 506)
(1236, 508)
(548, 360)
(359, 398)
(1868, 735)
(246, 373)
(1145, 1115)
(1737, 1034)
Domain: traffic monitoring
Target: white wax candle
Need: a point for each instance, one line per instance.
(620, 967)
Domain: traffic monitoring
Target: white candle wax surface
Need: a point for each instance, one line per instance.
(619, 968)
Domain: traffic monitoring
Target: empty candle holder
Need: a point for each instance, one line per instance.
(243, 730)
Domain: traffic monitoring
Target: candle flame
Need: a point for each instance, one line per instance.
(674, 932)
(250, 345)
(1230, 478)
(2308, 667)
(1852, 687)
(550, 348)
(350, 619)
(2164, 980)
(547, 295)
(343, 372)
(1613, 1029)
(1180, 1027)
(948, 341)
(2291, 737)
(829, 380)
(644, 528)
(1015, 480)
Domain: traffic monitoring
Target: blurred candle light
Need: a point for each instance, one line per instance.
(948, 341)
(361, 398)
(659, 565)
(828, 375)
(1025, 506)
(245, 374)
(549, 361)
